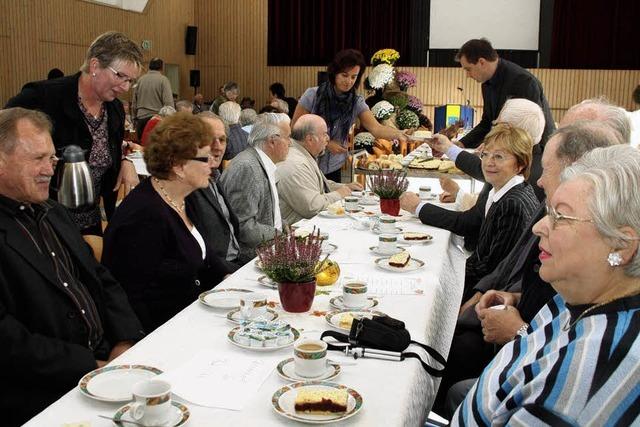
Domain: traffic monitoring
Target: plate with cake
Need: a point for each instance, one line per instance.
(399, 263)
(415, 237)
(334, 210)
(316, 402)
(342, 319)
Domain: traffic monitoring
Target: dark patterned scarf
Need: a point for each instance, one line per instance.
(336, 110)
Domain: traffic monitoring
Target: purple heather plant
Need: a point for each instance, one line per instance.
(389, 184)
(414, 104)
(288, 258)
(406, 79)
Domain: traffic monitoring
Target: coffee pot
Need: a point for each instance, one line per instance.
(76, 187)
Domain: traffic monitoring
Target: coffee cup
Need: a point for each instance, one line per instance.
(152, 405)
(253, 305)
(387, 224)
(351, 204)
(358, 194)
(354, 294)
(425, 192)
(387, 243)
(310, 358)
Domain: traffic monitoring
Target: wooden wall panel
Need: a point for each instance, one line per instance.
(234, 36)
(37, 35)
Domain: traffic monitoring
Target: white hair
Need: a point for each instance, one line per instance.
(262, 130)
(230, 112)
(274, 118)
(524, 114)
(281, 105)
(613, 175)
(166, 111)
(248, 116)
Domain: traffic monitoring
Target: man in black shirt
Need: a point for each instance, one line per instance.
(61, 313)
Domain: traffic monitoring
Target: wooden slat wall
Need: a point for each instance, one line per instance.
(232, 38)
(37, 35)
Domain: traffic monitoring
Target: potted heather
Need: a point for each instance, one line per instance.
(389, 186)
(293, 262)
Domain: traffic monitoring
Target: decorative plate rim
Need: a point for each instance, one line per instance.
(203, 295)
(86, 379)
(280, 371)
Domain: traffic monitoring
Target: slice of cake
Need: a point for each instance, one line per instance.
(346, 320)
(335, 208)
(411, 235)
(321, 401)
(400, 260)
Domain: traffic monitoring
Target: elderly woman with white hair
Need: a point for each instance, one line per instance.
(229, 112)
(578, 362)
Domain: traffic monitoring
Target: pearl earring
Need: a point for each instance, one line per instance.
(614, 259)
(93, 74)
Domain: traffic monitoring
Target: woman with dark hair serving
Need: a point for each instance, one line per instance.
(337, 102)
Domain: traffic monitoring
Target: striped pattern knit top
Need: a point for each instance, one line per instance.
(587, 376)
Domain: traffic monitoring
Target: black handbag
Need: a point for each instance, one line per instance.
(387, 334)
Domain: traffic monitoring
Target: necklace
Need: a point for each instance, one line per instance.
(180, 208)
(567, 326)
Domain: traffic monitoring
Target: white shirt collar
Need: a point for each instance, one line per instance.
(494, 195)
(268, 164)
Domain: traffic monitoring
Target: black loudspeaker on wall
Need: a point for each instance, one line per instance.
(194, 78)
(190, 41)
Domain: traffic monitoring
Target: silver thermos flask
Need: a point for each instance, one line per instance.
(76, 187)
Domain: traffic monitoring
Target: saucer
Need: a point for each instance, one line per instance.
(377, 230)
(337, 318)
(265, 281)
(415, 242)
(179, 416)
(286, 370)
(235, 317)
(376, 251)
(336, 302)
(223, 298)
(367, 201)
(327, 214)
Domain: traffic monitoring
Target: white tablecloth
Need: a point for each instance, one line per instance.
(394, 393)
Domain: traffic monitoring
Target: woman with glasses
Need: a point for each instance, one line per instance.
(85, 111)
(577, 363)
(151, 246)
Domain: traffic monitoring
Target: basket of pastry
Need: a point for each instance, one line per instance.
(385, 161)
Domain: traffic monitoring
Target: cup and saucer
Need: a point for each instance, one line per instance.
(179, 415)
(309, 362)
(387, 245)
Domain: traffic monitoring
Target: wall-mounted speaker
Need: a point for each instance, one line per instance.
(190, 40)
(194, 78)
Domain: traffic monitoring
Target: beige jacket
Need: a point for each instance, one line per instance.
(301, 186)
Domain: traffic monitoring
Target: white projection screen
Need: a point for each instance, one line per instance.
(508, 24)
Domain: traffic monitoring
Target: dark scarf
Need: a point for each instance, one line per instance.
(336, 110)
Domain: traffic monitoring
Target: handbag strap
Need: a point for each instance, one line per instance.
(432, 352)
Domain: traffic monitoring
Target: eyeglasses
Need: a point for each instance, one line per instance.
(204, 159)
(221, 140)
(555, 217)
(497, 157)
(122, 77)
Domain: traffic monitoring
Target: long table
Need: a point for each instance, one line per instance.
(394, 393)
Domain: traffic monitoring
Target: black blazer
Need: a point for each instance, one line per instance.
(43, 338)
(205, 212)
(58, 98)
(509, 81)
(149, 249)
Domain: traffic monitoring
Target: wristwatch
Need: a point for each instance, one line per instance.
(522, 331)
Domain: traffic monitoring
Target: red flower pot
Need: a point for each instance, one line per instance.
(297, 297)
(390, 206)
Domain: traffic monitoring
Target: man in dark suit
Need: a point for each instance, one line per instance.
(209, 209)
(61, 313)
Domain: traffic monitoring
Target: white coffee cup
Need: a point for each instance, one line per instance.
(354, 294)
(358, 194)
(152, 406)
(425, 192)
(387, 243)
(253, 305)
(351, 204)
(310, 358)
(387, 224)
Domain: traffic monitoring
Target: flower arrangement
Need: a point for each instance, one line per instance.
(407, 119)
(398, 99)
(292, 259)
(385, 56)
(389, 184)
(382, 110)
(414, 104)
(406, 79)
(363, 140)
(380, 76)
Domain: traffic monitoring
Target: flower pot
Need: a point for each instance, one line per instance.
(390, 206)
(297, 297)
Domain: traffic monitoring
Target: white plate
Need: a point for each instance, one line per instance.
(333, 317)
(114, 383)
(265, 281)
(223, 298)
(235, 317)
(234, 331)
(179, 416)
(286, 370)
(415, 242)
(376, 251)
(337, 302)
(376, 230)
(328, 248)
(283, 401)
(327, 214)
(413, 265)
